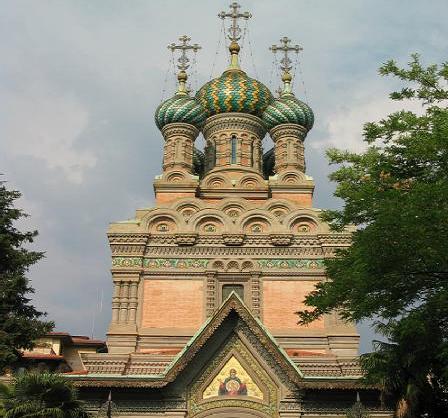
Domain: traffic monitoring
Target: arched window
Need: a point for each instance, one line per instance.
(233, 144)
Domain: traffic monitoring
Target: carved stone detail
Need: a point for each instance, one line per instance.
(178, 149)
(233, 239)
(186, 239)
(234, 121)
(289, 150)
(281, 239)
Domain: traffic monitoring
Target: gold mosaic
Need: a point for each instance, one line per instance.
(232, 380)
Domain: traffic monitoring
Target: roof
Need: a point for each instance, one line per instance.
(31, 355)
(69, 339)
(178, 363)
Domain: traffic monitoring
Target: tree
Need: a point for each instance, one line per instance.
(396, 193)
(20, 322)
(39, 395)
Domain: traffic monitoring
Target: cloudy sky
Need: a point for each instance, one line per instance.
(80, 80)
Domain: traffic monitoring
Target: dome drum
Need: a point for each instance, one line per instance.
(234, 122)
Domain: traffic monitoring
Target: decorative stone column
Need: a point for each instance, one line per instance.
(178, 150)
(289, 150)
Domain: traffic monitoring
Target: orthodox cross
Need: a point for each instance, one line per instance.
(183, 61)
(234, 14)
(285, 47)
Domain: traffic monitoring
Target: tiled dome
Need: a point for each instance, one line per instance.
(234, 91)
(180, 108)
(288, 109)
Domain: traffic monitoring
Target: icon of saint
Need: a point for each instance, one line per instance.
(232, 385)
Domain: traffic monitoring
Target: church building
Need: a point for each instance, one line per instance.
(208, 282)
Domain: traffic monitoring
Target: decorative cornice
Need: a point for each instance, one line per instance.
(186, 239)
(180, 129)
(281, 239)
(234, 121)
(283, 263)
(233, 239)
(177, 263)
(288, 130)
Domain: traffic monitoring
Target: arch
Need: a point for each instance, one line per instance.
(157, 216)
(280, 208)
(209, 225)
(216, 181)
(302, 222)
(291, 177)
(233, 266)
(175, 176)
(218, 265)
(247, 266)
(188, 209)
(261, 216)
(249, 181)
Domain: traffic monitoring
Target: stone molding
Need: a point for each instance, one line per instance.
(234, 121)
(180, 129)
(233, 239)
(288, 130)
(186, 239)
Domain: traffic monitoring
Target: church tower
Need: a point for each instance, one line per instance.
(207, 283)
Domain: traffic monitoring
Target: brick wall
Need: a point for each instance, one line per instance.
(172, 304)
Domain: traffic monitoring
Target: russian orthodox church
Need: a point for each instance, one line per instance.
(208, 282)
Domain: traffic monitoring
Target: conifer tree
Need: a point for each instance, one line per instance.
(20, 322)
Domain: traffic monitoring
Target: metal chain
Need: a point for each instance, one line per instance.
(251, 54)
(165, 81)
(305, 94)
(193, 85)
(221, 33)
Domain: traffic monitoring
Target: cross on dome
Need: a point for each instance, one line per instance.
(183, 61)
(285, 47)
(235, 30)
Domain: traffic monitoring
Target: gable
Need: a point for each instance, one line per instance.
(235, 377)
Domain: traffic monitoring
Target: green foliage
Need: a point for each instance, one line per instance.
(39, 395)
(20, 322)
(396, 192)
(5, 394)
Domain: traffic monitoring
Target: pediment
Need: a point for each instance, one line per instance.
(235, 377)
(235, 321)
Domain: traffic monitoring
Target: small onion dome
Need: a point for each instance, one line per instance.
(180, 108)
(234, 91)
(288, 109)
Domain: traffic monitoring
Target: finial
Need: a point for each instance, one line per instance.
(285, 62)
(234, 32)
(183, 60)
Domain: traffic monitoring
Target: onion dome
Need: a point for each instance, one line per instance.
(234, 91)
(288, 109)
(180, 108)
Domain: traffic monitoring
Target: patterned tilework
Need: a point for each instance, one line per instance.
(180, 108)
(234, 91)
(288, 109)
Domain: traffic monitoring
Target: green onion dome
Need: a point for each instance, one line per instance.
(234, 91)
(288, 109)
(180, 108)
